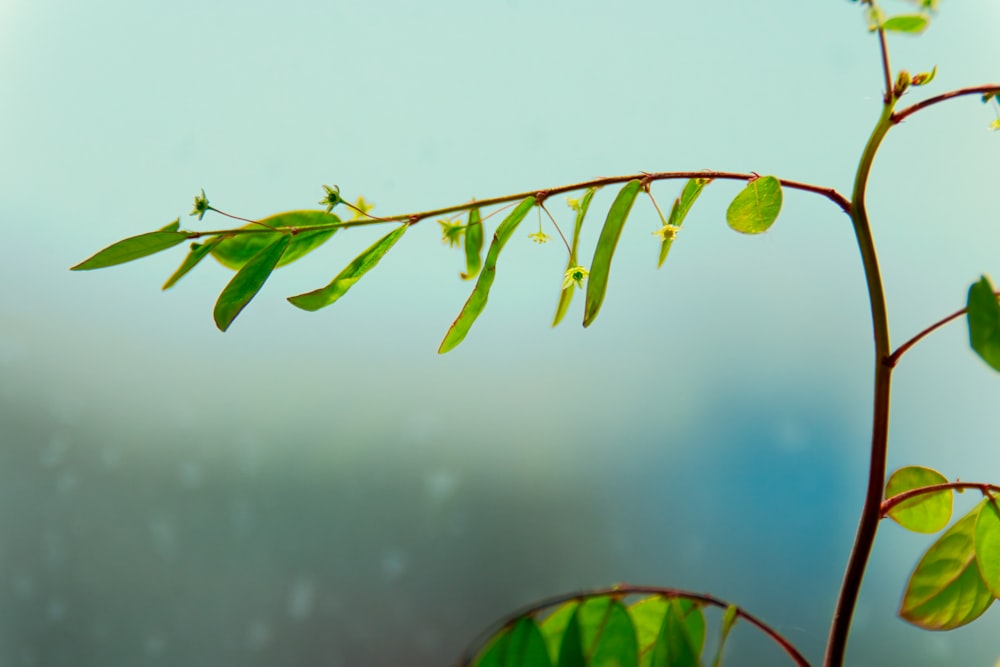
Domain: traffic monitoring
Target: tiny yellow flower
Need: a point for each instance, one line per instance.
(667, 232)
(362, 207)
(575, 274)
(573, 203)
(451, 232)
(539, 237)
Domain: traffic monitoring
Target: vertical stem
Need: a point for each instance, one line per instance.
(871, 511)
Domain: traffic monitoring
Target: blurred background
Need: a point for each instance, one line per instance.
(324, 489)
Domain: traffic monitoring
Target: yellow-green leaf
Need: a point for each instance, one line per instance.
(946, 590)
(988, 545)
(566, 295)
(927, 513)
(236, 250)
(983, 316)
(473, 245)
(600, 267)
(756, 207)
(912, 23)
(518, 645)
(680, 210)
(134, 247)
(351, 274)
(197, 253)
(248, 281)
(477, 300)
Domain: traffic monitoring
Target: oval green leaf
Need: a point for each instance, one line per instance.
(473, 245)
(571, 647)
(946, 590)
(197, 253)
(248, 281)
(756, 207)
(988, 545)
(912, 23)
(680, 210)
(566, 295)
(650, 616)
(983, 316)
(519, 645)
(351, 274)
(597, 283)
(134, 247)
(607, 633)
(236, 250)
(477, 300)
(926, 513)
(555, 626)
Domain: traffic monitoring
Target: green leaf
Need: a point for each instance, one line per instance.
(597, 284)
(679, 637)
(756, 207)
(477, 300)
(926, 513)
(566, 295)
(946, 590)
(608, 636)
(236, 250)
(519, 645)
(983, 316)
(571, 648)
(171, 227)
(351, 274)
(912, 23)
(197, 253)
(134, 247)
(988, 546)
(680, 210)
(473, 245)
(555, 625)
(248, 281)
(729, 618)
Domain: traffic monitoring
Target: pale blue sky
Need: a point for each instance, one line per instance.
(741, 363)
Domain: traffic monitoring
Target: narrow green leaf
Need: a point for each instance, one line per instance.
(520, 645)
(912, 23)
(983, 316)
(680, 210)
(946, 590)
(134, 247)
(566, 295)
(927, 513)
(756, 207)
(235, 251)
(728, 621)
(477, 300)
(172, 227)
(248, 281)
(571, 648)
(597, 284)
(988, 546)
(473, 245)
(197, 253)
(555, 626)
(351, 274)
(609, 638)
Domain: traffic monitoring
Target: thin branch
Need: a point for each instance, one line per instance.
(891, 502)
(893, 358)
(900, 116)
(886, 69)
(623, 590)
(830, 193)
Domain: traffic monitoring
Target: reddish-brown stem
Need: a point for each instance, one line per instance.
(624, 590)
(892, 501)
(901, 115)
(895, 356)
